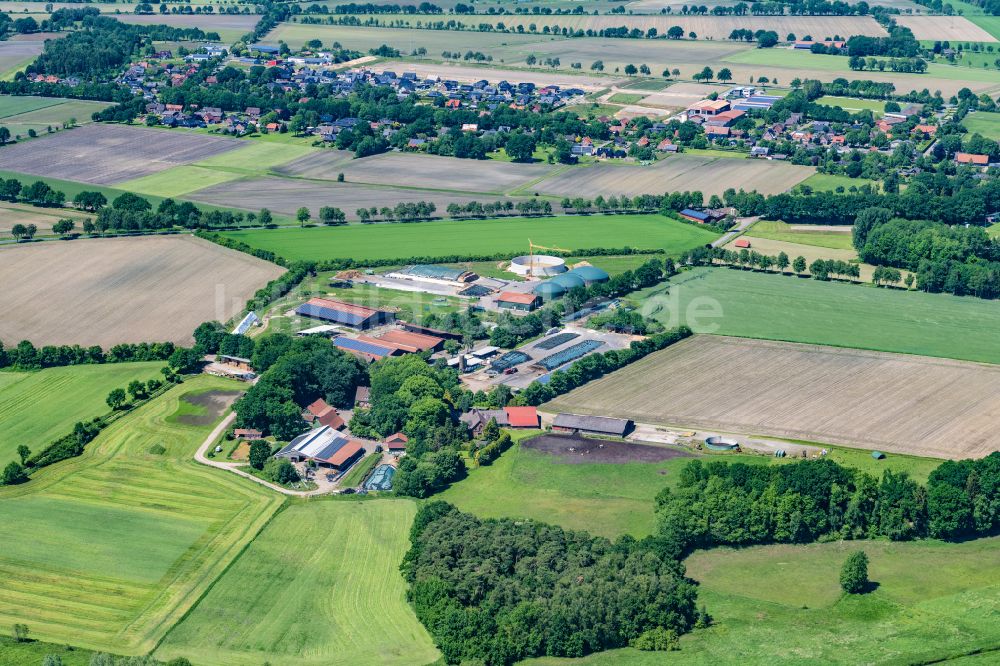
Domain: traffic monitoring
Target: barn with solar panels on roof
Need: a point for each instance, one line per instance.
(348, 314)
(324, 446)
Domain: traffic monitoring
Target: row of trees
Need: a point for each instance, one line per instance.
(718, 503)
(25, 356)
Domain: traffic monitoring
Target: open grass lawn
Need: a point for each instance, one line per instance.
(828, 182)
(852, 104)
(21, 113)
(780, 231)
(320, 585)
(481, 237)
(610, 499)
(626, 98)
(33, 652)
(605, 499)
(39, 407)
(990, 24)
(256, 158)
(775, 307)
(983, 122)
(782, 605)
(124, 540)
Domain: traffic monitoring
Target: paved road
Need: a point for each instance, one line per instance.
(741, 225)
(200, 456)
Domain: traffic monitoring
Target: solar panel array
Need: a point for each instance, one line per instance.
(569, 354)
(246, 323)
(329, 314)
(554, 341)
(361, 346)
(509, 360)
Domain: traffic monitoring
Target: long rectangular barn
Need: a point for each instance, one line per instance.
(874, 400)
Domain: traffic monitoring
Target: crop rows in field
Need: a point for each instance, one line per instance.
(419, 171)
(107, 154)
(903, 404)
(328, 576)
(106, 291)
(677, 173)
(123, 540)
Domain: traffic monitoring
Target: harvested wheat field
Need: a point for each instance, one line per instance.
(952, 28)
(873, 400)
(421, 171)
(107, 291)
(678, 173)
(107, 154)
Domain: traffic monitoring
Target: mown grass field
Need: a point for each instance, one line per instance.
(480, 237)
(780, 231)
(782, 605)
(983, 122)
(256, 158)
(124, 540)
(320, 585)
(21, 113)
(775, 307)
(853, 104)
(828, 182)
(39, 407)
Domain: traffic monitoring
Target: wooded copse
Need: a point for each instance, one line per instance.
(720, 503)
(499, 591)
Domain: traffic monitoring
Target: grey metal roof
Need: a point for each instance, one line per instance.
(602, 424)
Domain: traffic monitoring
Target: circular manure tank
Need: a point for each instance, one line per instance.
(718, 443)
(539, 265)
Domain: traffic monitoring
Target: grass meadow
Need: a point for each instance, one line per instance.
(604, 498)
(320, 585)
(776, 307)
(124, 539)
(19, 114)
(983, 122)
(853, 105)
(828, 182)
(63, 395)
(481, 237)
(782, 605)
(780, 231)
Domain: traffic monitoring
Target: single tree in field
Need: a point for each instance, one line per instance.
(63, 227)
(4, 135)
(23, 452)
(854, 573)
(52, 660)
(724, 74)
(30, 231)
(116, 398)
(630, 70)
(782, 261)
(644, 69)
(302, 215)
(260, 451)
(13, 474)
(21, 633)
(799, 265)
(18, 231)
(264, 217)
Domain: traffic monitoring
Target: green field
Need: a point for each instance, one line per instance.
(853, 105)
(255, 159)
(124, 540)
(828, 182)
(983, 122)
(780, 231)
(610, 499)
(481, 237)
(39, 407)
(782, 605)
(320, 585)
(626, 98)
(21, 113)
(793, 309)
